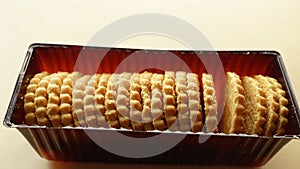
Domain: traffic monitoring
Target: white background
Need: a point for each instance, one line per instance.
(229, 25)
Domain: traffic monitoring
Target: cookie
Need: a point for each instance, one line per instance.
(136, 102)
(29, 108)
(233, 115)
(110, 101)
(194, 105)
(169, 101)
(157, 108)
(210, 103)
(283, 110)
(41, 101)
(182, 101)
(122, 101)
(66, 102)
(255, 106)
(89, 101)
(100, 100)
(77, 101)
(272, 99)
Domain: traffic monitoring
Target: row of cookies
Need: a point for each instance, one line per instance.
(254, 105)
(152, 101)
(138, 101)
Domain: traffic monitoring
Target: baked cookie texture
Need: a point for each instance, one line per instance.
(194, 102)
(233, 115)
(182, 101)
(255, 106)
(66, 102)
(210, 103)
(110, 101)
(136, 105)
(100, 93)
(272, 103)
(157, 107)
(29, 98)
(169, 101)
(174, 101)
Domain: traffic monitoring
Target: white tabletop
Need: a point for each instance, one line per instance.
(228, 25)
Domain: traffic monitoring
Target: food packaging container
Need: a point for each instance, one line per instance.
(88, 144)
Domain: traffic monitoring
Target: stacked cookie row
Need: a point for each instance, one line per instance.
(254, 105)
(151, 101)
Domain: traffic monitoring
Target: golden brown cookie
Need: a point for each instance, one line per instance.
(233, 116)
(53, 90)
(41, 101)
(182, 101)
(89, 101)
(100, 100)
(272, 99)
(157, 107)
(169, 101)
(110, 101)
(194, 105)
(283, 110)
(210, 103)
(29, 108)
(136, 102)
(122, 101)
(66, 99)
(255, 106)
(145, 81)
(77, 100)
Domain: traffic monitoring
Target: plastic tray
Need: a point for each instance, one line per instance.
(78, 144)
